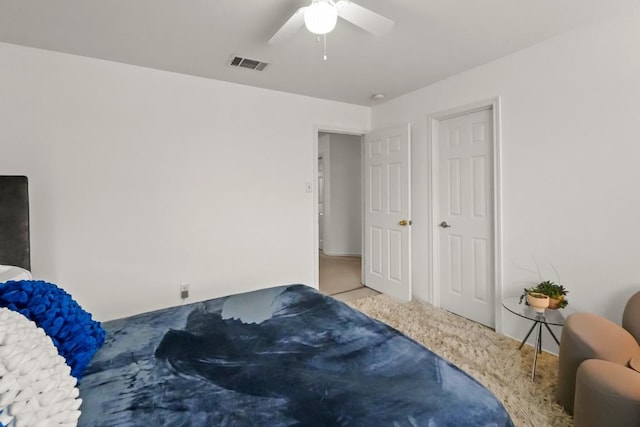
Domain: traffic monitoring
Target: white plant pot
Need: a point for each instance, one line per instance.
(538, 302)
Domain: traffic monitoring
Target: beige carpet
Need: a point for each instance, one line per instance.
(339, 274)
(355, 294)
(492, 359)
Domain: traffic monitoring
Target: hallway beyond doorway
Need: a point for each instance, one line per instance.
(339, 274)
(340, 277)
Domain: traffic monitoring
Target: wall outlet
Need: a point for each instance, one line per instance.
(184, 291)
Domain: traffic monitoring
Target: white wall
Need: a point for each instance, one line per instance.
(571, 156)
(141, 180)
(343, 219)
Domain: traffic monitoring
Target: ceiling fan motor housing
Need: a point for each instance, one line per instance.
(320, 17)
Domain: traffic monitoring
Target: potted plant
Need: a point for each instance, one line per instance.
(556, 293)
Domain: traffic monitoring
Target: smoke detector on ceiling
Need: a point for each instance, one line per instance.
(251, 64)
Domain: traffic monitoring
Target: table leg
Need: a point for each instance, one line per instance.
(537, 350)
(528, 333)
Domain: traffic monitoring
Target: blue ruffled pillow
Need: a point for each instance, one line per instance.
(74, 333)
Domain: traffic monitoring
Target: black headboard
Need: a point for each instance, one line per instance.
(15, 248)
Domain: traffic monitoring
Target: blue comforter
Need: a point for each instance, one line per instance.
(285, 356)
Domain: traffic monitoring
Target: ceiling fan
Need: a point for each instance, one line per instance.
(321, 15)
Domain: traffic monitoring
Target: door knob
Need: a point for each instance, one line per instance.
(444, 224)
(404, 223)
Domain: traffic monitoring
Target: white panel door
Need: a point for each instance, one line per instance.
(387, 219)
(466, 216)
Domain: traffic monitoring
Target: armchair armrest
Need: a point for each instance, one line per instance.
(631, 316)
(607, 394)
(587, 336)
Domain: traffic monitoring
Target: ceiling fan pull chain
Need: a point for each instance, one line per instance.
(325, 46)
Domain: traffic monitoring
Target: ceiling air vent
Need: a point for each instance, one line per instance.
(252, 64)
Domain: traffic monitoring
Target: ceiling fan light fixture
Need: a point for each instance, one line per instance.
(320, 17)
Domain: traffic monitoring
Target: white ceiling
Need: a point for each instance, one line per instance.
(431, 39)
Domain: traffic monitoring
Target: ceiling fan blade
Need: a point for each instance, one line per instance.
(363, 17)
(290, 27)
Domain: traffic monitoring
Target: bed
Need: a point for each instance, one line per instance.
(15, 246)
(283, 356)
(277, 357)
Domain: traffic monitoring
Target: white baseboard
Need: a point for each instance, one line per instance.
(339, 254)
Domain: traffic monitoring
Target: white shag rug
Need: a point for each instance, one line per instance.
(494, 360)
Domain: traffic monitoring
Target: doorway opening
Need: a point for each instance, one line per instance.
(340, 213)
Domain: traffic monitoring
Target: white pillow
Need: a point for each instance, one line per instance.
(36, 386)
(11, 272)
